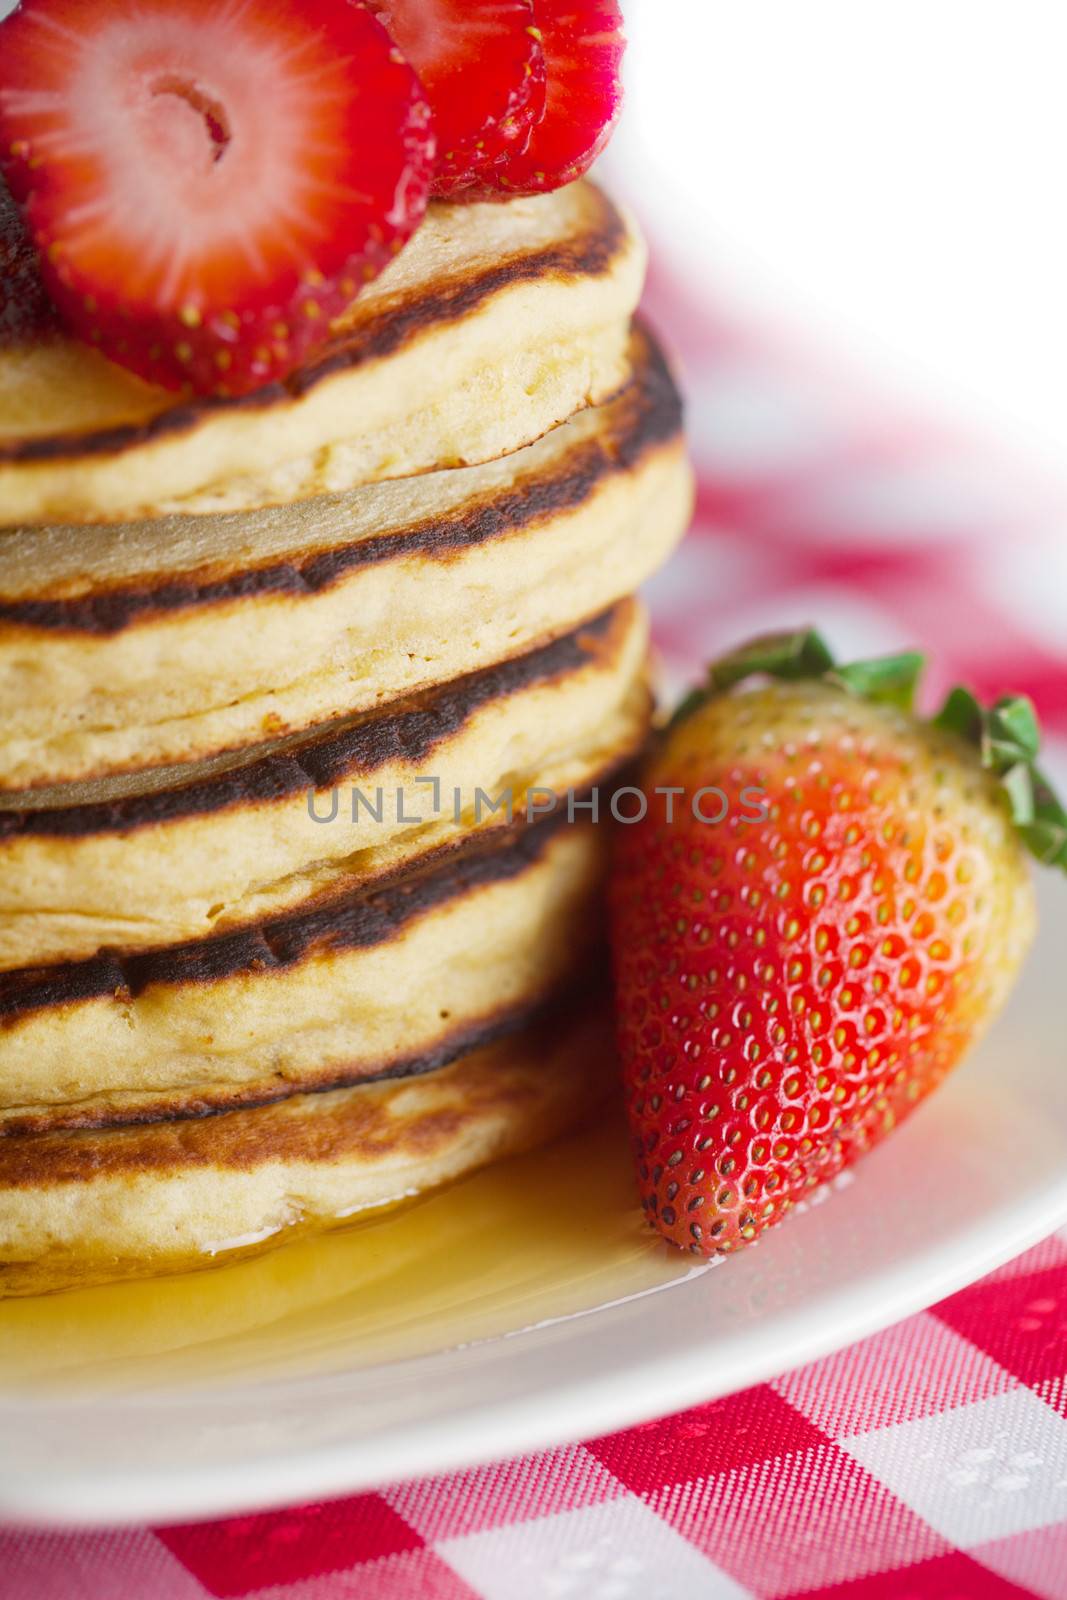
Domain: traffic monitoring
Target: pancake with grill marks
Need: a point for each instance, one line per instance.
(351, 988)
(495, 323)
(123, 648)
(222, 849)
(84, 1207)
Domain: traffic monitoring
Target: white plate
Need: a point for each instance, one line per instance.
(978, 1174)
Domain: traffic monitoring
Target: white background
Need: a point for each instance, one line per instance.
(889, 175)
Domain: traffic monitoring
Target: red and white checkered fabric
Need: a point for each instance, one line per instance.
(926, 1463)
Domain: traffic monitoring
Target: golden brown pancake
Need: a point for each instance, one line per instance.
(223, 1021)
(221, 849)
(495, 323)
(123, 648)
(350, 988)
(87, 1206)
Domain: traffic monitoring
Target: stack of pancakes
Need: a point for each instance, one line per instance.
(273, 952)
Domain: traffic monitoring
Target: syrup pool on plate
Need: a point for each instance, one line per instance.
(549, 1235)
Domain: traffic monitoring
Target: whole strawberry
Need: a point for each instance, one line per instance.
(794, 978)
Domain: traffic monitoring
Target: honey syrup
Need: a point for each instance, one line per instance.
(542, 1237)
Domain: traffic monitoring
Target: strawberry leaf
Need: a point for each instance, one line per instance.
(1013, 729)
(1046, 836)
(962, 715)
(790, 656)
(891, 680)
(1006, 735)
(1018, 784)
(804, 653)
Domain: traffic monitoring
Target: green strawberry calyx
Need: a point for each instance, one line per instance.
(1007, 734)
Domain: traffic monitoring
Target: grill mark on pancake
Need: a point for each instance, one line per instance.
(193, 1105)
(240, 1140)
(350, 922)
(409, 734)
(394, 323)
(649, 414)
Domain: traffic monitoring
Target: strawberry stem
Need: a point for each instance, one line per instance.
(1007, 734)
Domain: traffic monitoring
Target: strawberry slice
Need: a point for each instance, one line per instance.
(209, 183)
(583, 44)
(483, 69)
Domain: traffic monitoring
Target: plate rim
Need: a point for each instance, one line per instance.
(668, 1383)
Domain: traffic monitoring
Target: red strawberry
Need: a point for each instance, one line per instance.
(583, 45)
(790, 987)
(483, 69)
(209, 184)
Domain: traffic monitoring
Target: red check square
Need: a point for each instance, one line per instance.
(755, 1425)
(949, 1577)
(242, 1554)
(1021, 1322)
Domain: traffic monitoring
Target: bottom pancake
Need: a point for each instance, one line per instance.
(90, 1206)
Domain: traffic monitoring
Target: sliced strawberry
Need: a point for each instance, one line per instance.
(583, 44)
(483, 69)
(209, 182)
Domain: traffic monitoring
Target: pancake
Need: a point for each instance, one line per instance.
(223, 849)
(125, 648)
(353, 988)
(84, 1207)
(497, 322)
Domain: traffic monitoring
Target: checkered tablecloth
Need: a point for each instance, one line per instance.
(926, 1463)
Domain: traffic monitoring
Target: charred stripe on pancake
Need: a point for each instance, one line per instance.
(193, 1106)
(299, 1128)
(649, 413)
(396, 322)
(409, 733)
(350, 922)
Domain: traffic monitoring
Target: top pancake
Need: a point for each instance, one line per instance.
(494, 324)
